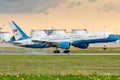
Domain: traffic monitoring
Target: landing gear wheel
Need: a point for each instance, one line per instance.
(104, 48)
(66, 51)
(56, 51)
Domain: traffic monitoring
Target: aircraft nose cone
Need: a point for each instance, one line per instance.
(113, 37)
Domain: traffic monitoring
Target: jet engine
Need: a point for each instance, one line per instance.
(82, 46)
(64, 45)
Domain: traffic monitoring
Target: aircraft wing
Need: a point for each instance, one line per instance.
(49, 42)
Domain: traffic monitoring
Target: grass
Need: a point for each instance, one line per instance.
(58, 77)
(60, 67)
(59, 64)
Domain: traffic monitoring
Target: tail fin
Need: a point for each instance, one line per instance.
(18, 33)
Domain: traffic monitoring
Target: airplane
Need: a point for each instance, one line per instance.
(81, 40)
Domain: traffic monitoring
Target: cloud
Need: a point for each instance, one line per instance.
(7, 0)
(41, 6)
(109, 7)
(46, 5)
(75, 3)
(26, 6)
(92, 0)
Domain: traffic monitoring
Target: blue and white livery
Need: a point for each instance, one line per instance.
(81, 40)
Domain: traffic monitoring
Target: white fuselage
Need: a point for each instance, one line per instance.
(56, 39)
(74, 37)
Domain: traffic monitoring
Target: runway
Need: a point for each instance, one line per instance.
(75, 54)
(95, 54)
(45, 52)
(50, 53)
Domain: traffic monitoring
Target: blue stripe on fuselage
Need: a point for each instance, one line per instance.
(111, 38)
(24, 36)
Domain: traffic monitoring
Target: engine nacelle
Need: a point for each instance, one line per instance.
(64, 45)
(83, 46)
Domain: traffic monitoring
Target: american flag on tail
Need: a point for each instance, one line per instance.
(14, 30)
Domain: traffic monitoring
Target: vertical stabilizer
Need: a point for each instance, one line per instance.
(18, 33)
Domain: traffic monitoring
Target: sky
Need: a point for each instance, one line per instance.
(93, 15)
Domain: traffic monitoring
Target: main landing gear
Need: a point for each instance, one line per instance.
(66, 51)
(58, 51)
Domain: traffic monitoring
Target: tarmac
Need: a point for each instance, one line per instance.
(50, 53)
(43, 52)
(107, 54)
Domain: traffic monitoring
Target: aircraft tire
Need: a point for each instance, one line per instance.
(56, 51)
(66, 51)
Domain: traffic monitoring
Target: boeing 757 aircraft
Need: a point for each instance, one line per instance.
(81, 40)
